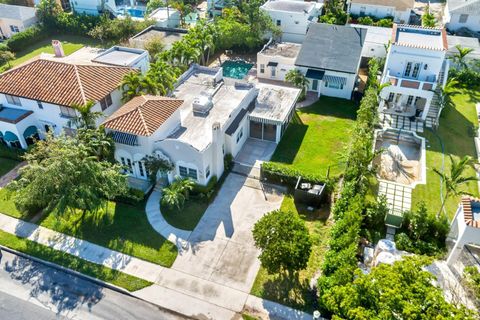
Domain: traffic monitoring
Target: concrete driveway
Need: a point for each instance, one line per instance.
(221, 248)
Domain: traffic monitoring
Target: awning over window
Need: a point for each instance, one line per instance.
(333, 79)
(272, 64)
(30, 132)
(315, 74)
(125, 138)
(10, 137)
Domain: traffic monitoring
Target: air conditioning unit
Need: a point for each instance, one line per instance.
(202, 104)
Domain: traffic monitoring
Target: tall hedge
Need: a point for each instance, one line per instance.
(27, 37)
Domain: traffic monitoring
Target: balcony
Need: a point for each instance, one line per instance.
(430, 84)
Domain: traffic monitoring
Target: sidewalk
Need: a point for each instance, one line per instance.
(173, 289)
(12, 174)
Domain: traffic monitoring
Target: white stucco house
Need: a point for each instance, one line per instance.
(205, 118)
(399, 10)
(465, 227)
(292, 17)
(415, 67)
(462, 14)
(276, 59)
(14, 19)
(36, 97)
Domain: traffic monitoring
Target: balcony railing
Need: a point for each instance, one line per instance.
(428, 85)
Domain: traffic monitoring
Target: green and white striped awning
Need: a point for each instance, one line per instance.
(334, 79)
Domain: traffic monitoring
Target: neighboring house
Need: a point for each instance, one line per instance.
(93, 7)
(207, 117)
(465, 228)
(462, 14)
(276, 59)
(399, 10)
(14, 19)
(168, 36)
(415, 67)
(36, 98)
(330, 58)
(166, 17)
(292, 17)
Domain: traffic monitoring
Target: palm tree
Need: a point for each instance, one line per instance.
(164, 75)
(455, 179)
(175, 194)
(87, 118)
(296, 78)
(446, 93)
(459, 57)
(130, 86)
(148, 85)
(202, 36)
(428, 19)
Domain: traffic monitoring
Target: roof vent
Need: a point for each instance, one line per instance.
(203, 103)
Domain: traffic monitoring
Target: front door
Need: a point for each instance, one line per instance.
(315, 85)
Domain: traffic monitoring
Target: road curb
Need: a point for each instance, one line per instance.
(70, 271)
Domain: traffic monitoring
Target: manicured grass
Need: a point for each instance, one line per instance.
(7, 206)
(317, 136)
(188, 217)
(32, 248)
(292, 291)
(6, 165)
(70, 43)
(455, 124)
(119, 227)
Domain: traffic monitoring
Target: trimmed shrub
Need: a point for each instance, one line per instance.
(133, 197)
(280, 174)
(24, 39)
(205, 191)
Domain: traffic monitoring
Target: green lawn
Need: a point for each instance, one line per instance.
(317, 136)
(188, 217)
(120, 227)
(6, 165)
(453, 131)
(293, 291)
(118, 278)
(7, 206)
(71, 43)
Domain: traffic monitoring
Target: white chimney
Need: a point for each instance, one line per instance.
(58, 49)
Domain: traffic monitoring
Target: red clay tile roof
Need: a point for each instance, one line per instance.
(468, 213)
(61, 83)
(142, 115)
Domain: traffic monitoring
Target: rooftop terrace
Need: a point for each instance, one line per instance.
(283, 49)
(420, 37)
(274, 102)
(227, 96)
(289, 6)
(167, 35)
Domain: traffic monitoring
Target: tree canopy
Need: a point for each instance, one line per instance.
(284, 240)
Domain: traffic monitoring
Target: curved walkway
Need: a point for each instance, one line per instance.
(177, 236)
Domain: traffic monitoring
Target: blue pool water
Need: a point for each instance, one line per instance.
(236, 69)
(133, 12)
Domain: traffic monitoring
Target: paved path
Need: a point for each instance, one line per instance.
(12, 174)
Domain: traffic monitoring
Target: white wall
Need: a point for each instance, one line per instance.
(231, 144)
(381, 12)
(472, 23)
(22, 25)
(284, 65)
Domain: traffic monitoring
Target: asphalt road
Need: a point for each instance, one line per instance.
(31, 290)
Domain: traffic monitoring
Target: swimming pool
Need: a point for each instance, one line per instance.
(236, 69)
(133, 12)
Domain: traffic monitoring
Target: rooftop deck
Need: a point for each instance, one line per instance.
(283, 49)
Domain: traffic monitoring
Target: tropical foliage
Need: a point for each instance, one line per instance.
(283, 238)
(334, 12)
(86, 118)
(399, 291)
(155, 164)
(298, 79)
(177, 193)
(428, 19)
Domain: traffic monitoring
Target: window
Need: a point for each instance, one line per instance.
(129, 165)
(409, 100)
(207, 174)
(334, 85)
(13, 100)
(192, 173)
(106, 102)
(67, 112)
(463, 18)
(40, 105)
(416, 69)
(408, 69)
(140, 169)
(183, 171)
(262, 68)
(240, 135)
(279, 23)
(14, 28)
(391, 96)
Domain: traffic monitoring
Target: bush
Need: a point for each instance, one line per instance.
(205, 191)
(133, 197)
(386, 23)
(280, 174)
(472, 276)
(24, 39)
(365, 21)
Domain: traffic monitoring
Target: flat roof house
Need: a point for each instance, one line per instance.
(330, 58)
(205, 118)
(399, 10)
(36, 98)
(462, 14)
(14, 19)
(292, 17)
